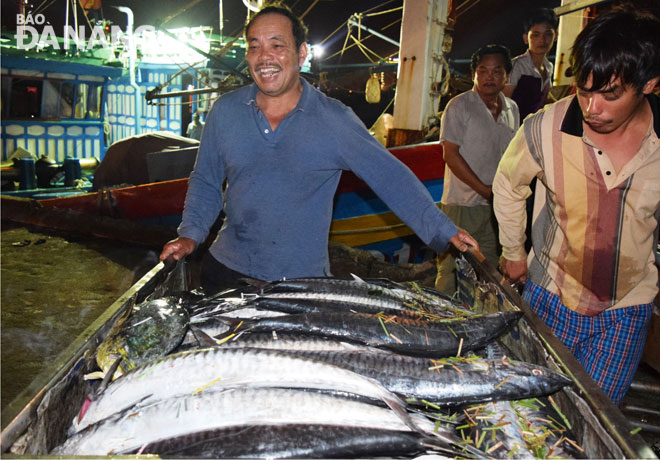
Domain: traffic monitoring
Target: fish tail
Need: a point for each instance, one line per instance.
(202, 337)
(399, 408)
(443, 438)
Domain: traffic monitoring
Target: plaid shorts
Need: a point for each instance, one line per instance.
(608, 345)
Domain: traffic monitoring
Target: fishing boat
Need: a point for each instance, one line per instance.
(69, 95)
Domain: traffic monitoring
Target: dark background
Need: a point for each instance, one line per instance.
(477, 23)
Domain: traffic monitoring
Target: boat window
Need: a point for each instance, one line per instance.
(81, 101)
(51, 105)
(66, 100)
(50, 99)
(94, 101)
(25, 98)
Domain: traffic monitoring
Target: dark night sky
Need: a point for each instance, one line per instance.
(485, 21)
(489, 21)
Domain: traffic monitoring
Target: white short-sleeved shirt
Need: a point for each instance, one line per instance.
(482, 140)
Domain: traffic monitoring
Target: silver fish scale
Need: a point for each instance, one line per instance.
(357, 288)
(284, 341)
(131, 429)
(209, 369)
(294, 441)
(537, 417)
(427, 338)
(383, 302)
(455, 382)
(502, 414)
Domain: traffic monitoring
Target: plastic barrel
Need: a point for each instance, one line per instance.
(28, 176)
(72, 171)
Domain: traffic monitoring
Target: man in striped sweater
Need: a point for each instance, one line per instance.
(591, 272)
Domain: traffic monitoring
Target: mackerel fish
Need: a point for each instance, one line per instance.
(207, 370)
(294, 303)
(295, 441)
(133, 428)
(292, 342)
(423, 338)
(448, 381)
(359, 291)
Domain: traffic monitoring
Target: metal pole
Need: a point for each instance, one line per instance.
(66, 24)
(75, 22)
(132, 65)
(221, 19)
(353, 22)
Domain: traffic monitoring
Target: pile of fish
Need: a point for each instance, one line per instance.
(311, 368)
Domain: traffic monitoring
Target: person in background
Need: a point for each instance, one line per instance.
(475, 129)
(590, 274)
(530, 80)
(195, 127)
(281, 145)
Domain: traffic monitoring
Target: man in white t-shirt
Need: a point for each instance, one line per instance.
(475, 129)
(195, 127)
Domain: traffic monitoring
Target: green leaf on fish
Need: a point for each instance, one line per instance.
(563, 417)
(380, 318)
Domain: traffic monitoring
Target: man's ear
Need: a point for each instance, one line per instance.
(650, 85)
(302, 53)
(526, 39)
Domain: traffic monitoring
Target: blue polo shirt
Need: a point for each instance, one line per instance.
(280, 184)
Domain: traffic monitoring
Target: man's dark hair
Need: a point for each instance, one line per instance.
(492, 49)
(541, 16)
(621, 44)
(297, 26)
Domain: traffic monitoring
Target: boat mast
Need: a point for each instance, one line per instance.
(422, 68)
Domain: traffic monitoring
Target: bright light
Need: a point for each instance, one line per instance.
(157, 47)
(317, 51)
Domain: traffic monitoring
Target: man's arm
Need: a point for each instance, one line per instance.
(204, 196)
(463, 171)
(516, 170)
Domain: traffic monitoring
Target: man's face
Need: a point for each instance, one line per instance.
(607, 109)
(539, 38)
(490, 75)
(272, 56)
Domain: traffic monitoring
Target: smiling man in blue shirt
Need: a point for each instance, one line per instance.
(282, 145)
